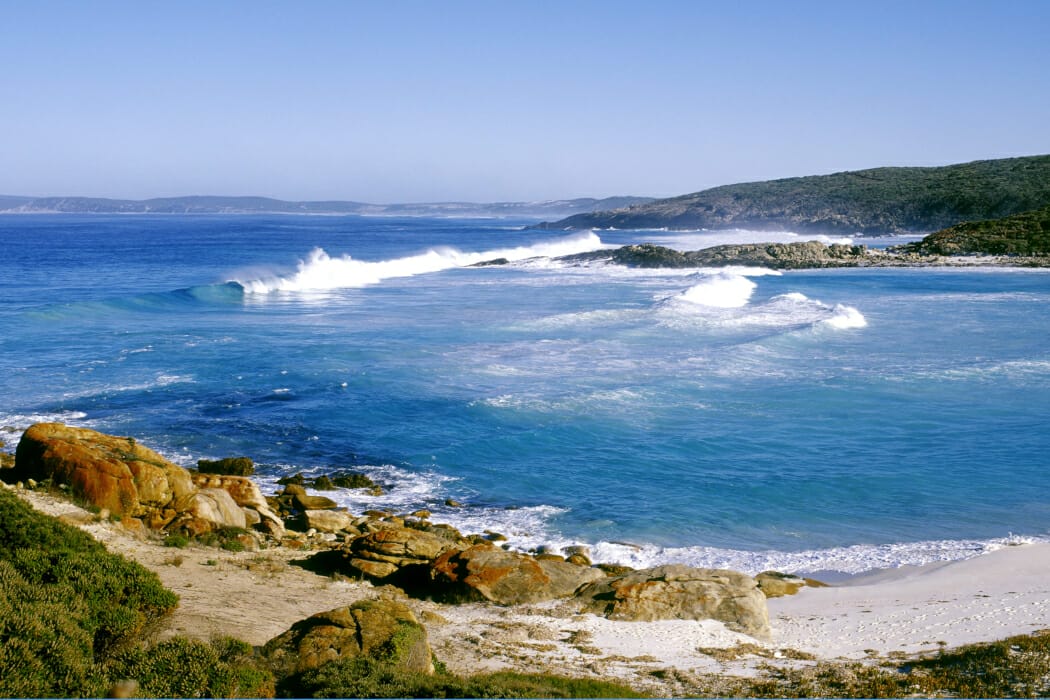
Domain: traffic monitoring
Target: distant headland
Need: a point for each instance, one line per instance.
(879, 201)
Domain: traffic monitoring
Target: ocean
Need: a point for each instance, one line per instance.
(805, 421)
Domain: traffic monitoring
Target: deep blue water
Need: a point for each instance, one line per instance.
(842, 419)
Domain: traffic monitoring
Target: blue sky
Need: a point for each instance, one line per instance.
(483, 101)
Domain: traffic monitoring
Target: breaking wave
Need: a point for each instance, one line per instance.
(320, 271)
(723, 300)
(723, 291)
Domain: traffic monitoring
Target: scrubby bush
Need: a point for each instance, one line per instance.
(187, 668)
(109, 597)
(44, 651)
(1014, 667)
(368, 678)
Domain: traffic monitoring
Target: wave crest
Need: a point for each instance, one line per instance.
(320, 271)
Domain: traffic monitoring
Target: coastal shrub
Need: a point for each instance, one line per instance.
(368, 678)
(188, 668)
(113, 598)
(1013, 667)
(65, 604)
(44, 652)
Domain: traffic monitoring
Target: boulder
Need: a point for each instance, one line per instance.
(246, 494)
(328, 520)
(485, 573)
(681, 592)
(384, 552)
(774, 584)
(109, 472)
(305, 502)
(228, 466)
(383, 630)
(215, 506)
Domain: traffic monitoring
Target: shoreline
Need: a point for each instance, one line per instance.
(883, 615)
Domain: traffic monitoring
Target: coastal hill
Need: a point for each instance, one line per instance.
(1027, 233)
(266, 205)
(1021, 240)
(878, 201)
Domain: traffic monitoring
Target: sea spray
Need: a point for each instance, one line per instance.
(724, 291)
(322, 272)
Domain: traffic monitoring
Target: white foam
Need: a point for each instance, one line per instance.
(615, 401)
(723, 291)
(721, 302)
(18, 422)
(322, 272)
(846, 317)
(161, 380)
(698, 240)
(855, 559)
(1024, 370)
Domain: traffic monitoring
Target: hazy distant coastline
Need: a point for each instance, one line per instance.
(12, 204)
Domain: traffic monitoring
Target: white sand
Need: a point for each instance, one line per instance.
(992, 596)
(255, 596)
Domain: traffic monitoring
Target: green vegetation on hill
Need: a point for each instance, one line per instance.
(875, 202)
(1027, 233)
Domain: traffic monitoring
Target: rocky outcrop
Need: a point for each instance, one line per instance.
(206, 509)
(780, 256)
(328, 520)
(229, 466)
(382, 554)
(675, 591)
(383, 630)
(486, 573)
(121, 476)
(115, 473)
(247, 495)
(330, 482)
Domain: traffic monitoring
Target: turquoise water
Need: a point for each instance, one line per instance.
(810, 420)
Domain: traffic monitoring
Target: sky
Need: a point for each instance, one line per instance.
(400, 101)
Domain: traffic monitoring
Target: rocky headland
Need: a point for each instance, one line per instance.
(878, 201)
(937, 250)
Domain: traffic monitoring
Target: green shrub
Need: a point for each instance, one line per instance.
(1014, 667)
(187, 668)
(367, 678)
(112, 598)
(176, 540)
(44, 652)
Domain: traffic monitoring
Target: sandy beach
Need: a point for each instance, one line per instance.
(257, 595)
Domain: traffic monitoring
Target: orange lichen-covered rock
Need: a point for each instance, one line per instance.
(110, 472)
(484, 572)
